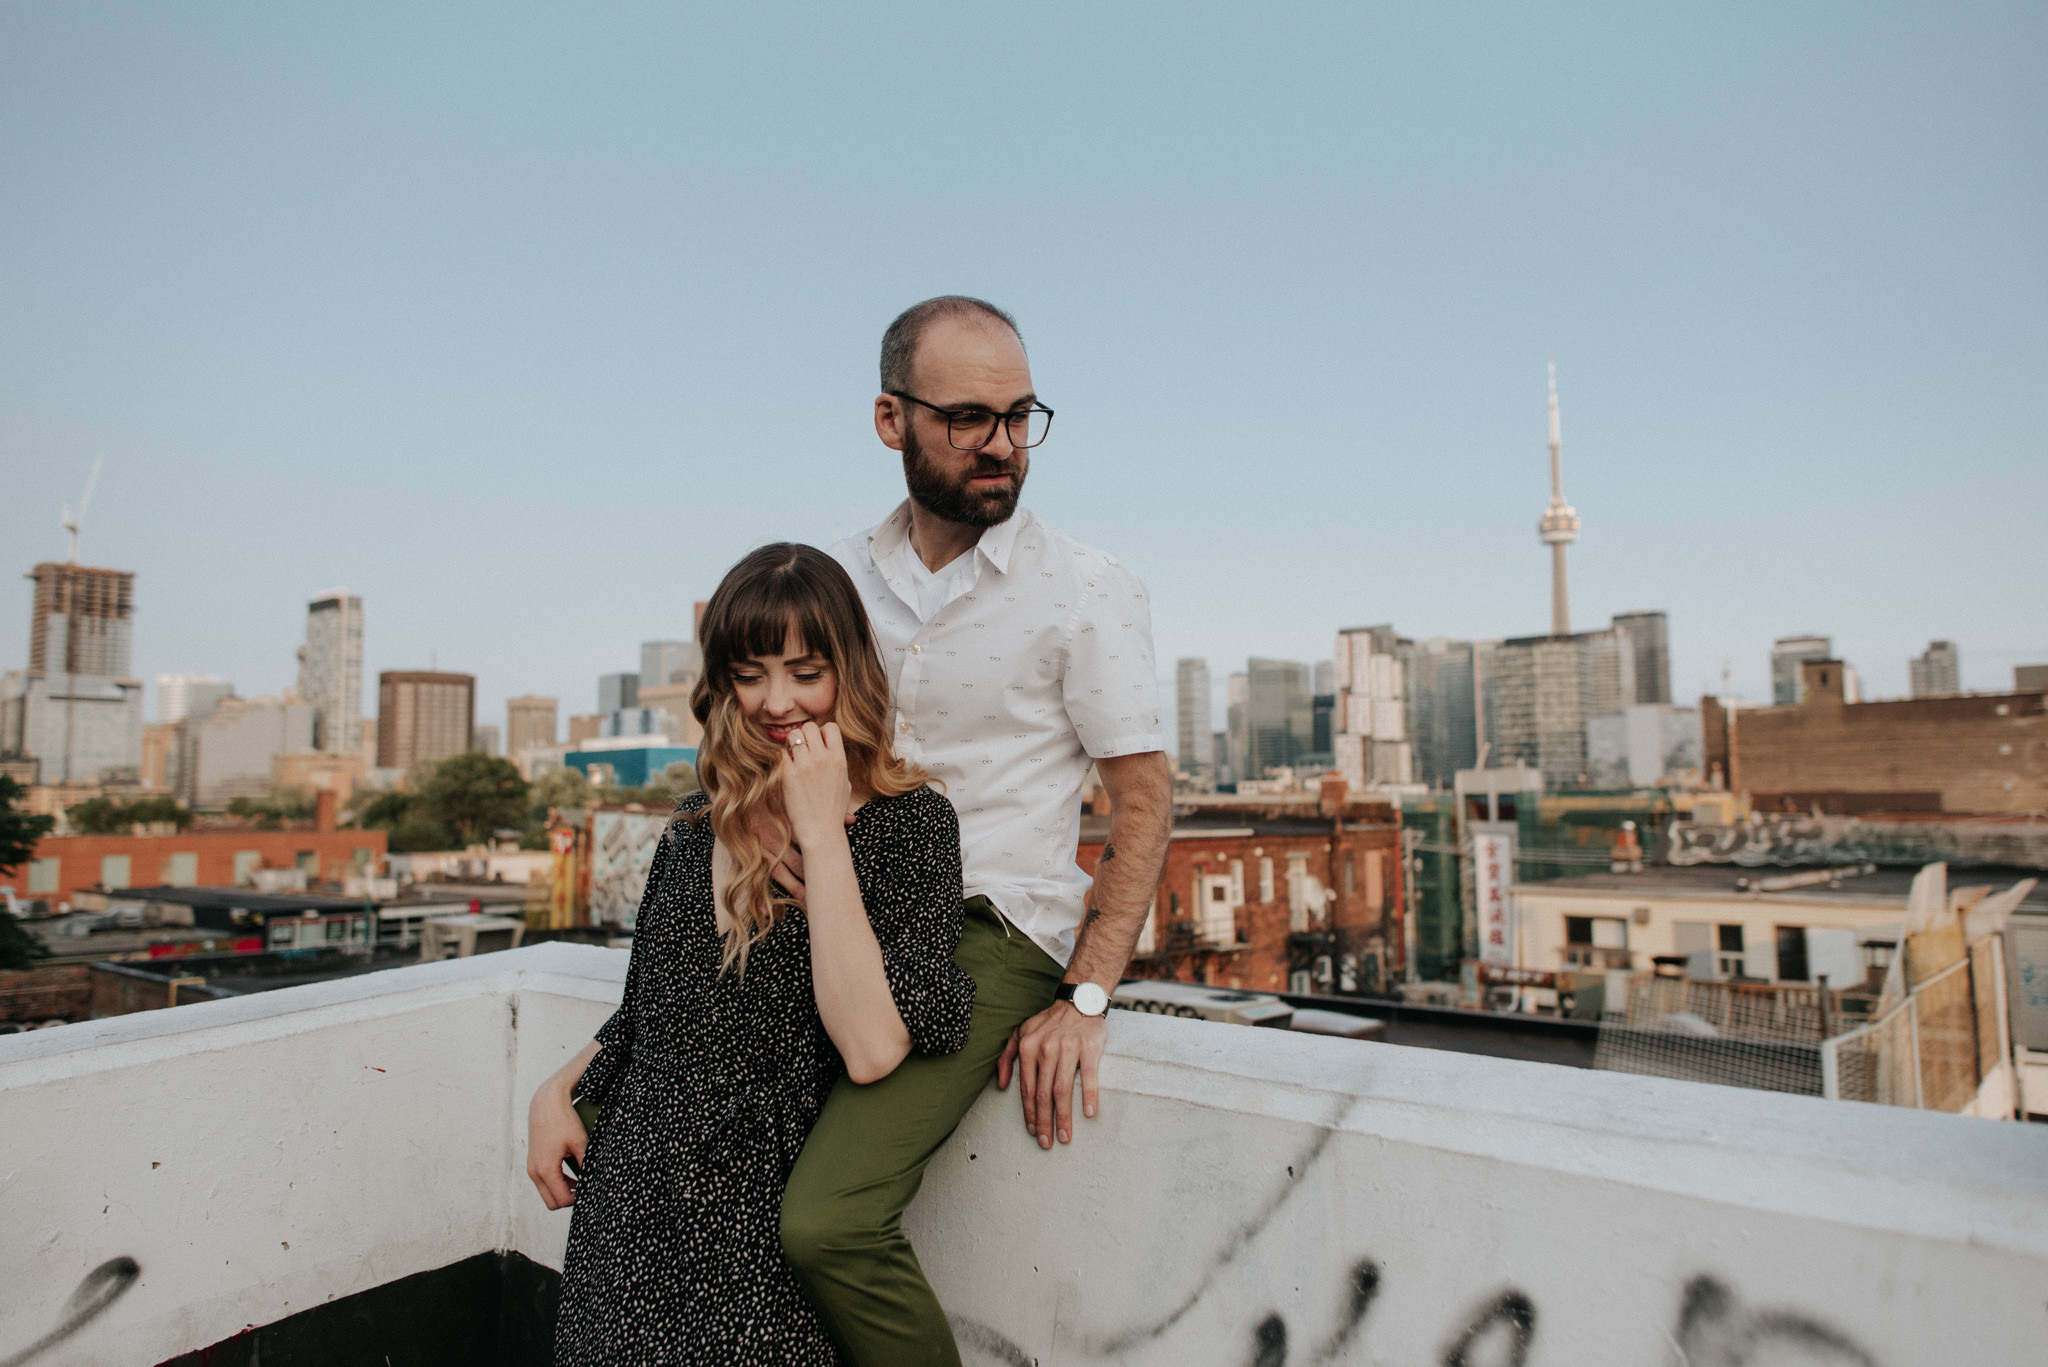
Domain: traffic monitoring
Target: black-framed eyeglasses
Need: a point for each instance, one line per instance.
(970, 429)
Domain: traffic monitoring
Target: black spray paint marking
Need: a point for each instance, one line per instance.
(1270, 1343)
(100, 1289)
(1240, 1239)
(974, 1334)
(1511, 1315)
(1364, 1287)
(1714, 1331)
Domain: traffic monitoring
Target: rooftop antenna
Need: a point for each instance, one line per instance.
(71, 521)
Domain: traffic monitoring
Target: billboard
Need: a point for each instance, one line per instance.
(622, 846)
(1493, 882)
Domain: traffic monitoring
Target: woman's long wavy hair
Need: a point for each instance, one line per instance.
(776, 593)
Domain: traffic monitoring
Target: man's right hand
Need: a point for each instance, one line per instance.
(554, 1132)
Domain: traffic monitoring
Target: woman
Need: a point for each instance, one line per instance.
(743, 1007)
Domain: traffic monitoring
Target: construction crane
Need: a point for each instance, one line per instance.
(72, 521)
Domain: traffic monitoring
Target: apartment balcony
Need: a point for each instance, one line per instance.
(334, 1174)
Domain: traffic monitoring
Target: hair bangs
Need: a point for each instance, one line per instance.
(759, 618)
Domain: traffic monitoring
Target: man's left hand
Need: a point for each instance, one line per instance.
(1046, 1051)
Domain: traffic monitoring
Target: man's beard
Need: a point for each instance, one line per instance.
(958, 501)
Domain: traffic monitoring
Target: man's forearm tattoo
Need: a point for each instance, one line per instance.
(1108, 853)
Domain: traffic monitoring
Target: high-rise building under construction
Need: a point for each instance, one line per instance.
(77, 708)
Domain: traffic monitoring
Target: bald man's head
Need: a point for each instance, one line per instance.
(900, 342)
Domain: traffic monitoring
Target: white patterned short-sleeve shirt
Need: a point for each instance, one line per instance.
(1041, 665)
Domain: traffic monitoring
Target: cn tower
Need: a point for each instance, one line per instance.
(1559, 527)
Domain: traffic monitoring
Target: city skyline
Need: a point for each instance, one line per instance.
(527, 340)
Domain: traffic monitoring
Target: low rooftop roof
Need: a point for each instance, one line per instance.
(246, 898)
(1887, 882)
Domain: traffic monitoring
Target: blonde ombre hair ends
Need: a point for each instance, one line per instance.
(777, 592)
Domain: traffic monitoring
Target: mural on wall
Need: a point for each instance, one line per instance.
(622, 846)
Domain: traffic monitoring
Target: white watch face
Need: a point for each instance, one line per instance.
(1090, 999)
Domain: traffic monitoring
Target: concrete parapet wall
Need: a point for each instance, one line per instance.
(1247, 1196)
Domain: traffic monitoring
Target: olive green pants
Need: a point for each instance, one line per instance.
(842, 1214)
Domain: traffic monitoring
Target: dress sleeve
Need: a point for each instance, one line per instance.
(615, 1038)
(918, 928)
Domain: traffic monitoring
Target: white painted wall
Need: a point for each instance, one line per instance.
(1541, 909)
(1243, 1189)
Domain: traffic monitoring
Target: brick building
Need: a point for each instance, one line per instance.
(1274, 896)
(63, 866)
(423, 714)
(1984, 752)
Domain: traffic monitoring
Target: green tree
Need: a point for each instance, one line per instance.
(112, 816)
(382, 808)
(473, 795)
(160, 808)
(270, 813)
(404, 818)
(100, 816)
(19, 831)
(18, 947)
(564, 787)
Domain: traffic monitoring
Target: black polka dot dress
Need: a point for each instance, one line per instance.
(710, 1084)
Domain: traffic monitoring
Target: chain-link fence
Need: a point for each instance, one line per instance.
(1935, 1048)
(1768, 1065)
(1735, 1034)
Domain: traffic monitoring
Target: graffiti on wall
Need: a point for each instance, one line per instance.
(100, 1288)
(1792, 839)
(622, 846)
(1761, 840)
(1710, 1326)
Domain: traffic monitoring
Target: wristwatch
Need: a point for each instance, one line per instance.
(1088, 998)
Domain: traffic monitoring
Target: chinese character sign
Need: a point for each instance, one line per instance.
(1493, 882)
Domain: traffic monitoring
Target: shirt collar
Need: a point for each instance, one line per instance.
(892, 535)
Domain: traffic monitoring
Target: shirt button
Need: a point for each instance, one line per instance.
(917, 650)
(904, 727)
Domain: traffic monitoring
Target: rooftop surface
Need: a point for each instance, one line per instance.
(1246, 1196)
(248, 899)
(1728, 880)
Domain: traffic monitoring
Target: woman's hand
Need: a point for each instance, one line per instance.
(815, 786)
(554, 1132)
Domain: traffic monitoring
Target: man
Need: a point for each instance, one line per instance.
(1017, 657)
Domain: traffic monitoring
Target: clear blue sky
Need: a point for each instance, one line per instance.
(525, 323)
